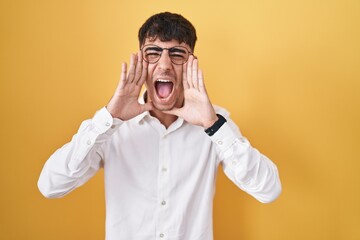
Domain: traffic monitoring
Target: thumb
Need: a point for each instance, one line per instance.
(174, 111)
(147, 107)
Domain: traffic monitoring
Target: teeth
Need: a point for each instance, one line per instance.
(163, 80)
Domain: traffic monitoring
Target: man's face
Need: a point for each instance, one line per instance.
(164, 80)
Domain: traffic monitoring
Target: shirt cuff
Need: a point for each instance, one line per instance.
(104, 122)
(225, 137)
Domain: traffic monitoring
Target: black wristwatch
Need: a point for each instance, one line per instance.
(216, 126)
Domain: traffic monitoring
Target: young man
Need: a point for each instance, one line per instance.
(160, 154)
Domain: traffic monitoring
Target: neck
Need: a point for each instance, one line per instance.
(165, 119)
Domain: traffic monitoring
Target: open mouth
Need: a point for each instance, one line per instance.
(164, 88)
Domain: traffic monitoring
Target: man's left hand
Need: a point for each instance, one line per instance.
(197, 108)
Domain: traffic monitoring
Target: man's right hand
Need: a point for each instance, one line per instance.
(124, 104)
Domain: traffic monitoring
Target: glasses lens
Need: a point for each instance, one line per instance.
(178, 55)
(151, 53)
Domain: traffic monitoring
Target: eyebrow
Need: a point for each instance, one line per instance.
(172, 49)
(176, 49)
(154, 48)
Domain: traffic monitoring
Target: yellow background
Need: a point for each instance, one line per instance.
(288, 71)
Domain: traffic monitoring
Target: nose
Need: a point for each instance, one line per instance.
(165, 61)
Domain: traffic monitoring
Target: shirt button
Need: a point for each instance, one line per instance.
(164, 169)
(107, 124)
(220, 142)
(88, 142)
(163, 203)
(162, 235)
(234, 163)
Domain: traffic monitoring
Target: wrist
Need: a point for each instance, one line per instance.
(111, 111)
(208, 124)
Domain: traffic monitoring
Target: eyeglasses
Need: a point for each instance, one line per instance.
(178, 54)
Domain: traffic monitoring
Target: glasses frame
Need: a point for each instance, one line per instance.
(162, 50)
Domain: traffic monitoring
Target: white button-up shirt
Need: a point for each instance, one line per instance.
(159, 182)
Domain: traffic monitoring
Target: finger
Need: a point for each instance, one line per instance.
(195, 74)
(123, 72)
(131, 75)
(138, 68)
(143, 73)
(174, 111)
(123, 79)
(189, 71)
(184, 76)
(201, 81)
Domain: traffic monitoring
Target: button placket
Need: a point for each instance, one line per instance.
(163, 187)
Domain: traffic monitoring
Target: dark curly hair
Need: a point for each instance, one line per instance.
(167, 26)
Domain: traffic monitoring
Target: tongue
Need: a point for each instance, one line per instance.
(164, 89)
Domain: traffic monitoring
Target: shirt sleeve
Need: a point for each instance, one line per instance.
(77, 161)
(244, 165)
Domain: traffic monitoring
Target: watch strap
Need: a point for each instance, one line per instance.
(216, 126)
